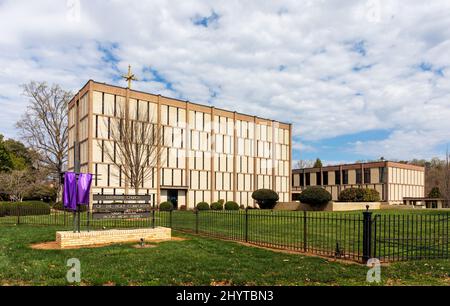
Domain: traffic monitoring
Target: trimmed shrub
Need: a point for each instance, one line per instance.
(359, 195)
(315, 196)
(221, 201)
(230, 205)
(265, 198)
(371, 195)
(166, 206)
(216, 206)
(203, 206)
(32, 208)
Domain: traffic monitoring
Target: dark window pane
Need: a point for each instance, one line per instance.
(307, 178)
(382, 174)
(325, 178)
(337, 177)
(345, 177)
(358, 176)
(367, 179)
(319, 179)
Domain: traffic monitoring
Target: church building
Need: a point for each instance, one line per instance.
(208, 153)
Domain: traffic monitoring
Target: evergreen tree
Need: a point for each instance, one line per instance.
(318, 163)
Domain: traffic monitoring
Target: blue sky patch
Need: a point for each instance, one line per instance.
(428, 67)
(157, 77)
(340, 148)
(359, 68)
(206, 21)
(107, 50)
(359, 47)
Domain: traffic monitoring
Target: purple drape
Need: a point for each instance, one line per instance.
(70, 191)
(84, 187)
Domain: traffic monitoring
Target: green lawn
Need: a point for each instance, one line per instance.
(399, 234)
(194, 261)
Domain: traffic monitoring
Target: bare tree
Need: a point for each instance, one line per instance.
(302, 164)
(44, 127)
(137, 145)
(16, 184)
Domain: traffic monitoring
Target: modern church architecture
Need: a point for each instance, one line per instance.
(209, 153)
(394, 181)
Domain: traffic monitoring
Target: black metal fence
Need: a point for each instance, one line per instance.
(355, 236)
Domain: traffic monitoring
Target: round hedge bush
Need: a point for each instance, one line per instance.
(359, 195)
(166, 206)
(203, 206)
(265, 198)
(230, 205)
(315, 196)
(217, 206)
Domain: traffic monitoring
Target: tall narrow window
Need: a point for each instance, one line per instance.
(318, 179)
(325, 178)
(367, 178)
(308, 179)
(345, 177)
(382, 172)
(358, 176)
(302, 179)
(337, 177)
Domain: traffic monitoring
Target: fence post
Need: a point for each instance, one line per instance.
(153, 218)
(18, 214)
(367, 234)
(196, 221)
(305, 231)
(153, 214)
(170, 218)
(246, 224)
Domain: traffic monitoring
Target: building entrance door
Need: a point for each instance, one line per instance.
(172, 196)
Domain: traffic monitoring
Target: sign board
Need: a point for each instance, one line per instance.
(121, 208)
(120, 215)
(122, 197)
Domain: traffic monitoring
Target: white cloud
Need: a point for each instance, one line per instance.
(239, 59)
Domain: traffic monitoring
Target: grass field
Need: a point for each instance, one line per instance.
(398, 234)
(194, 261)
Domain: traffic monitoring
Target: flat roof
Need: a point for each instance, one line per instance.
(170, 98)
(351, 166)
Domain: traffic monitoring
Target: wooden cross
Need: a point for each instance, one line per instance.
(129, 77)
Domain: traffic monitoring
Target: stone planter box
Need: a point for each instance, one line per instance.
(69, 239)
(341, 206)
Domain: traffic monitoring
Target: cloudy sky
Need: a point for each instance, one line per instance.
(358, 79)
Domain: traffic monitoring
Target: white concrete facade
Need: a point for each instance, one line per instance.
(209, 153)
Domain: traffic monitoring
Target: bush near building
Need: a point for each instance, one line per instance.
(203, 206)
(217, 206)
(359, 195)
(315, 196)
(166, 206)
(230, 205)
(265, 198)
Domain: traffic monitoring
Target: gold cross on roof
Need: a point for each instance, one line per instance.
(129, 77)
